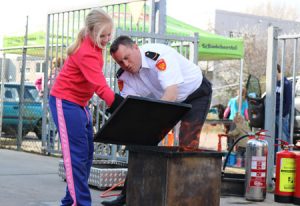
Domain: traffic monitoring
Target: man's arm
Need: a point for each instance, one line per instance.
(287, 101)
(170, 93)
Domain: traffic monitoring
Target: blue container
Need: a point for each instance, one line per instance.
(231, 159)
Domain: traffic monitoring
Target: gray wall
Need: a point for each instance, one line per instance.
(227, 22)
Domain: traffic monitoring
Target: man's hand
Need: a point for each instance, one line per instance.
(118, 100)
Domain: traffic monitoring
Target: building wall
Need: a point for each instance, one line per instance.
(232, 23)
(12, 71)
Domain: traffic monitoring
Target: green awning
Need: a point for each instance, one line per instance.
(211, 46)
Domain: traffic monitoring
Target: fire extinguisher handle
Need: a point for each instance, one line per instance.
(282, 142)
(261, 134)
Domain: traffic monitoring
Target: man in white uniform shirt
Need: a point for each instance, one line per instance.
(158, 71)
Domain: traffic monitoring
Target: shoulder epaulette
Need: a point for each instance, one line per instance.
(152, 55)
(119, 73)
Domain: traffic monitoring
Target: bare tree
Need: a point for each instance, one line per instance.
(280, 11)
(255, 48)
(257, 53)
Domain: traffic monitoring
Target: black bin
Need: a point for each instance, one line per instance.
(256, 110)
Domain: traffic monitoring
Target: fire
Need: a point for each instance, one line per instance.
(189, 149)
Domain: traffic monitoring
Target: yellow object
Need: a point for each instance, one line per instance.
(287, 175)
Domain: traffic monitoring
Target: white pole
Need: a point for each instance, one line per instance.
(241, 85)
(2, 92)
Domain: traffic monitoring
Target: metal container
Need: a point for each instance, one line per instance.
(104, 173)
(256, 169)
(170, 176)
(233, 184)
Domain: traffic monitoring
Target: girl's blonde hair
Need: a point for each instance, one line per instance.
(96, 22)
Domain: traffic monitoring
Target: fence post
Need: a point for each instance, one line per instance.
(2, 91)
(21, 104)
(270, 99)
(195, 49)
(162, 19)
(295, 63)
(45, 86)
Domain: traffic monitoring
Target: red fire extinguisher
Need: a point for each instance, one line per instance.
(285, 174)
(296, 199)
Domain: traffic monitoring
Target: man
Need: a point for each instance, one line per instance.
(287, 103)
(160, 72)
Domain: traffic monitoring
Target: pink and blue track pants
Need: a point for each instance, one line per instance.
(74, 125)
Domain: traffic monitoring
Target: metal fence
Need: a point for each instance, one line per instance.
(277, 54)
(42, 63)
(26, 122)
(62, 28)
(21, 105)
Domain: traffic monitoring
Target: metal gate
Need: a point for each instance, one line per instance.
(62, 28)
(149, 26)
(281, 55)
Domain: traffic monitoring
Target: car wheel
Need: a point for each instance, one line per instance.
(38, 129)
(13, 131)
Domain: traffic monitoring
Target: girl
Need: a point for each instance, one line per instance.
(79, 78)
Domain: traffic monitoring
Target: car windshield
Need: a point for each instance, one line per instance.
(32, 94)
(12, 93)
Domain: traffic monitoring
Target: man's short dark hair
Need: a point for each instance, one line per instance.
(121, 40)
(278, 68)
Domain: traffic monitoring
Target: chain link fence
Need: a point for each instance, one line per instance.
(32, 69)
(29, 71)
(21, 103)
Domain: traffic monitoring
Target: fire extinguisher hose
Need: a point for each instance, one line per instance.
(231, 148)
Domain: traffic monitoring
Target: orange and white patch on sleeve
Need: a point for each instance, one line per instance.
(120, 85)
(161, 65)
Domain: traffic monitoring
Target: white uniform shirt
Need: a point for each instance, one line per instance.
(171, 68)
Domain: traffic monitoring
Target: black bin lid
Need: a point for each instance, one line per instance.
(141, 121)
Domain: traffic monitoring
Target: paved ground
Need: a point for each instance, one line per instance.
(32, 180)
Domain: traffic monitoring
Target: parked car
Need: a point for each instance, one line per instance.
(32, 112)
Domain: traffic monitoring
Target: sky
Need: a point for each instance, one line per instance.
(13, 12)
